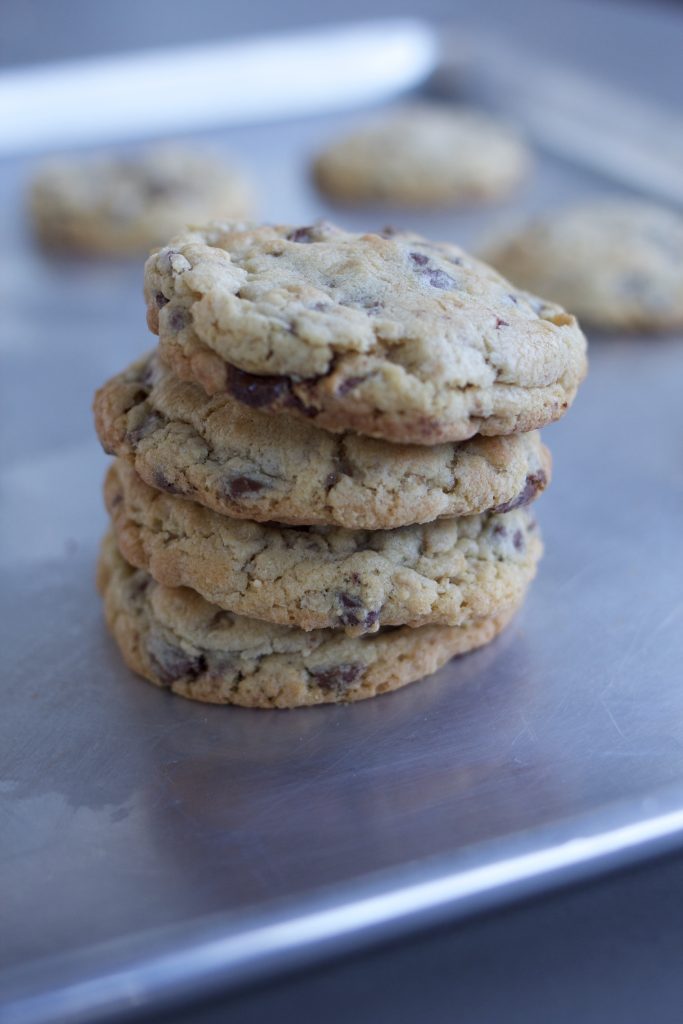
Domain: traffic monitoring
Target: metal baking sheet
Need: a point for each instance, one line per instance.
(153, 849)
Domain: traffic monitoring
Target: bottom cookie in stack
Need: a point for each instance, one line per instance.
(179, 641)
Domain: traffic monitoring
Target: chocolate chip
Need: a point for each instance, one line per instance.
(534, 483)
(440, 279)
(172, 662)
(257, 391)
(499, 530)
(339, 677)
(518, 540)
(436, 277)
(501, 323)
(260, 391)
(301, 235)
(351, 605)
(137, 398)
(355, 613)
(179, 319)
(160, 299)
(513, 298)
(349, 383)
(164, 484)
(239, 486)
(342, 467)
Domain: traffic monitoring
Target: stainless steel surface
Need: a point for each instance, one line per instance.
(578, 116)
(162, 847)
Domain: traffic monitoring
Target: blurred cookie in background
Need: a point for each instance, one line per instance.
(616, 264)
(424, 155)
(111, 204)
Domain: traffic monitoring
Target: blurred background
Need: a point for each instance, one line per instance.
(634, 43)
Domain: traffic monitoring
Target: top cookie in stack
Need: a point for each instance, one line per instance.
(388, 335)
(312, 377)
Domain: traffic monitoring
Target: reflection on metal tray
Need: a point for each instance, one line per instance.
(165, 848)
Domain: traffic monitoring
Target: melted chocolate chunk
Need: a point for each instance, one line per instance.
(440, 279)
(304, 235)
(179, 319)
(342, 467)
(257, 391)
(239, 486)
(501, 323)
(260, 391)
(172, 662)
(436, 277)
(339, 677)
(349, 384)
(164, 484)
(355, 613)
(518, 540)
(160, 300)
(535, 482)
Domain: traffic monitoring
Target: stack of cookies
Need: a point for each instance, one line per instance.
(324, 470)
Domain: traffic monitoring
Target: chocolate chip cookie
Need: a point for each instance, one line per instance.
(177, 640)
(245, 463)
(387, 335)
(119, 205)
(449, 572)
(616, 264)
(424, 156)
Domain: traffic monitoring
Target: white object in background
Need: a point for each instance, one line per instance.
(254, 79)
